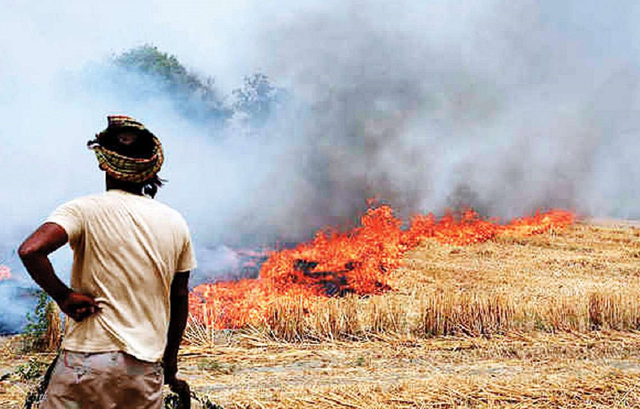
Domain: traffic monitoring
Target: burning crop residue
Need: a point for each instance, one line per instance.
(334, 264)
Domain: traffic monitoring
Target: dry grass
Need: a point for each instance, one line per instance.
(549, 321)
(600, 369)
(53, 335)
(585, 278)
(450, 313)
(595, 370)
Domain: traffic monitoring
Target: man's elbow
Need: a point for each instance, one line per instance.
(46, 239)
(27, 251)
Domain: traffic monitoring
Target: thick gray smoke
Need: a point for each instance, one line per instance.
(423, 105)
(508, 108)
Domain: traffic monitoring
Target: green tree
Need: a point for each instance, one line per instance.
(193, 95)
(257, 99)
(37, 323)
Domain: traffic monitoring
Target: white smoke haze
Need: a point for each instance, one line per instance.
(424, 105)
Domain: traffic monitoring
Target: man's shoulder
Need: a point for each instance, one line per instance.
(169, 211)
(113, 199)
(83, 201)
(163, 213)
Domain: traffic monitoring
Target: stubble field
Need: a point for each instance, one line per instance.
(545, 321)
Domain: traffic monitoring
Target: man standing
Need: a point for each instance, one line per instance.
(128, 300)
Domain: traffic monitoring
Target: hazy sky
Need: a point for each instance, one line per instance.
(509, 106)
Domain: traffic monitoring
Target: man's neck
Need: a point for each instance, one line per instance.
(134, 188)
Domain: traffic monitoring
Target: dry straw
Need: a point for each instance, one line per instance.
(492, 302)
(53, 335)
(581, 279)
(442, 314)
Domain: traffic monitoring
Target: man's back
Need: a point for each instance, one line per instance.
(128, 302)
(127, 248)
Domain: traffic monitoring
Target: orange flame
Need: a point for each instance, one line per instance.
(358, 262)
(5, 272)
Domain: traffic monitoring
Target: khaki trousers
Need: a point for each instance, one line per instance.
(109, 380)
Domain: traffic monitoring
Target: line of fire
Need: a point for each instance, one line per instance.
(357, 262)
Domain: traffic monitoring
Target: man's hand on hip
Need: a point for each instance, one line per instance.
(79, 306)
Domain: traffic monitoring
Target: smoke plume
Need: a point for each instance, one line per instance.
(423, 105)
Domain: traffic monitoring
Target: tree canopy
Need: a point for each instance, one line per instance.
(195, 95)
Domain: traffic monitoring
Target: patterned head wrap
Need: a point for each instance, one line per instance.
(121, 167)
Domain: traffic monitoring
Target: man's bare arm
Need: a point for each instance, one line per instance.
(177, 324)
(34, 253)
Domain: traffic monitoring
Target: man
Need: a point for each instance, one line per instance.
(128, 300)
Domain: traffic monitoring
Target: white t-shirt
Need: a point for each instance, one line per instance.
(126, 250)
